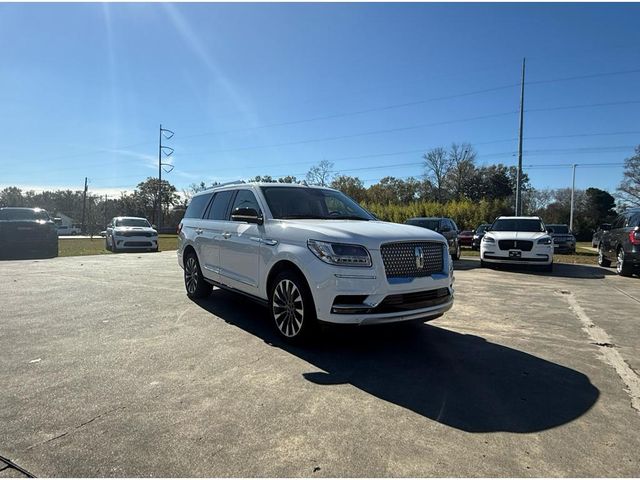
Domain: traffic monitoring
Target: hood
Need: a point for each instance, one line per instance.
(135, 229)
(517, 235)
(371, 233)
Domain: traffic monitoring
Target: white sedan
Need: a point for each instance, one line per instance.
(517, 241)
(130, 233)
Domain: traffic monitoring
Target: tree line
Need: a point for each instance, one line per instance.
(452, 185)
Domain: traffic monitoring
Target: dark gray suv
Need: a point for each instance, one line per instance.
(622, 243)
(445, 227)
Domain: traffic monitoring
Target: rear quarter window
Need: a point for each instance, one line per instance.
(197, 206)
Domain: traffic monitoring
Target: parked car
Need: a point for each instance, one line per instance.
(563, 239)
(622, 243)
(312, 254)
(444, 226)
(477, 236)
(133, 233)
(27, 231)
(597, 235)
(465, 238)
(67, 230)
(518, 241)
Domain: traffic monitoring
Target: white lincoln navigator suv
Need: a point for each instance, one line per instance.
(312, 253)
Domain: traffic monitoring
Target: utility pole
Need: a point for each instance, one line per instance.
(105, 209)
(573, 192)
(519, 177)
(168, 151)
(84, 204)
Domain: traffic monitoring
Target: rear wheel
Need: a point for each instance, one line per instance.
(291, 307)
(623, 268)
(194, 282)
(602, 260)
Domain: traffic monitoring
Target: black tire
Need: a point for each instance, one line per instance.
(194, 283)
(291, 307)
(114, 249)
(106, 244)
(455, 255)
(483, 264)
(602, 260)
(548, 268)
(52, 251)
(623, 268)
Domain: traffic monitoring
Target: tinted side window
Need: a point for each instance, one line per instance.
(219, 206)
(245, 199)
(453, 224)
(634, 221)
(197, 205)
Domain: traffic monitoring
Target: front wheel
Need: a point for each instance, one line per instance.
(456, 253)
(194, 282)
(291, 307)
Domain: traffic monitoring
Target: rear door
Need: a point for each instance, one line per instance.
(209, 234)
(240, 247)
(610, 238)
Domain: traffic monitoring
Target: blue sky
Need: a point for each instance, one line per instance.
(83, 88)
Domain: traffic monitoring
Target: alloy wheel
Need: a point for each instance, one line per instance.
(191, 275)
(620, 261)
(288, 308)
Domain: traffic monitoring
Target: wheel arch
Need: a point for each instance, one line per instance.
(281, 266)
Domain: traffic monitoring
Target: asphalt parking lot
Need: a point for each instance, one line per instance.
(109, 370)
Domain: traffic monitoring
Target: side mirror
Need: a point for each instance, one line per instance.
(445, 229)
(249, 215)
(154, 227)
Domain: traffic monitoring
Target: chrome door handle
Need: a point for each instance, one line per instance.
(198, 231)
(226, 235)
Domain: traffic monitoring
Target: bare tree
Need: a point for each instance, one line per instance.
(320, 174)
(462, 172)
(437, 164)
(630, 186)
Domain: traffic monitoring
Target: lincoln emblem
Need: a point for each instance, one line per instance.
(419, 257)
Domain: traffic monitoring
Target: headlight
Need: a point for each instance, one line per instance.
(486, 239)
(545, 241)
(340, 253)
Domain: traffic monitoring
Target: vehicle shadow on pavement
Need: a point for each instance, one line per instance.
(462, 381)
(560, 270)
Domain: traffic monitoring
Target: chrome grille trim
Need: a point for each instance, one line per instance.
(399, 259)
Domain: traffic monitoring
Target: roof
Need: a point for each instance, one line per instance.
(518, 218)
(130, 218)
(258, 184)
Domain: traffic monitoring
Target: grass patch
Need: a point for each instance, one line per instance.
(70, 247)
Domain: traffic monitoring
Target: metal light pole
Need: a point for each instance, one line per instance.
(519, 177)
(573, 192)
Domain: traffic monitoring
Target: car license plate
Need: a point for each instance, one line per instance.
(515, 254)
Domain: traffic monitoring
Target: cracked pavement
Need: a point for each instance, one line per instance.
(109, 370)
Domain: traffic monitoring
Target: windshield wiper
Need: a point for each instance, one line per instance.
(302, 216)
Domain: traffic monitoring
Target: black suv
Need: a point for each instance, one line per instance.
(622, 242)
(563, 239)
(444, 226)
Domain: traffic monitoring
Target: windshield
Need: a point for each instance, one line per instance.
(430, 223)
(559, 228)
(23, 214)
(517, 225)
(295, 202)
(132, 222)
(482, 228)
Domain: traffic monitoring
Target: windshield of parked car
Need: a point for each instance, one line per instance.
(430, 223)
(482, 229)
(318, 203)
(132, 222)
(559, 228)
(23, 214)
(517, 225)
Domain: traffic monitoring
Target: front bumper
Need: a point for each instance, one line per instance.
(136, 243)
(328, 282)
(564, 246)
(539, 255)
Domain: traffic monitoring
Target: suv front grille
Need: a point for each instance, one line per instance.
(524, 245)
(412, 259)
